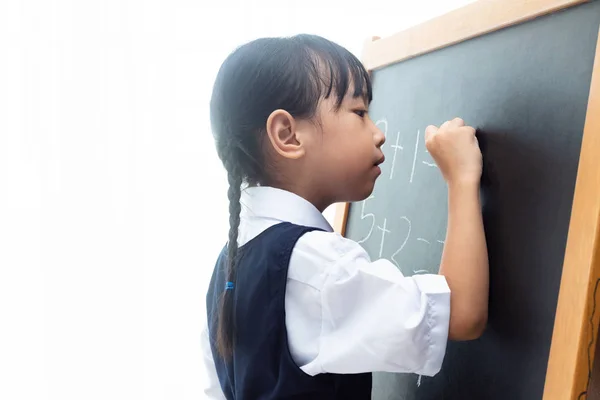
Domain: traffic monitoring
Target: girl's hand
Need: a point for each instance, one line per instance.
(455, 149)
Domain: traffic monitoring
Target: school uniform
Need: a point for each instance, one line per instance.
(314, 314)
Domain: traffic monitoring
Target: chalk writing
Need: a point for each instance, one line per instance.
(369, 215)
(383, 232)
(412, 173)
(396, 147)
(403, 233)
(403, 243)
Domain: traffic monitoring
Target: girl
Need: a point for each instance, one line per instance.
(296, 311)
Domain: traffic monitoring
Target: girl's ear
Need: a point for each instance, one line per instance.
(281, 130)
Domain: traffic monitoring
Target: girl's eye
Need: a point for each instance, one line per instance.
(360, 113)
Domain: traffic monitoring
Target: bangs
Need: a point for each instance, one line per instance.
(337, 72)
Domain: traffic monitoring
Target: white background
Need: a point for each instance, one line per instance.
(113, 202)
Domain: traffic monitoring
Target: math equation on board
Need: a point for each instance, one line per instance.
(404, 219)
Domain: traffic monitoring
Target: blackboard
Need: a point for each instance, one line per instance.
(526, 88)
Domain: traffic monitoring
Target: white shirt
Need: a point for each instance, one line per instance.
(344, 312)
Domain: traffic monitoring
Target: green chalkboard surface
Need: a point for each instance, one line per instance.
(525, 88)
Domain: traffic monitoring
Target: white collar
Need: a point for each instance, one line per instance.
(282, 206)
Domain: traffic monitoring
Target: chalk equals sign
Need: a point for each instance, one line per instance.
(429, 164)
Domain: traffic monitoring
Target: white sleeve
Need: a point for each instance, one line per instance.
(212, 387)
(373, 318)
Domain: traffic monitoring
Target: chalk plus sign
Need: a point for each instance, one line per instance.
(383, 232)
(395, 147)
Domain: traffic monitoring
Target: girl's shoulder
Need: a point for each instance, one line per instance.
(321, 253)
(330, 246)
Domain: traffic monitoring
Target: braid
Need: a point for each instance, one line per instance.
(234, 195)
(226, 327)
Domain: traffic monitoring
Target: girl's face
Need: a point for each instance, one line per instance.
(343, 153)
(332, 158)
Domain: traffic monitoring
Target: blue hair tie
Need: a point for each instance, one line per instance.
(228, 285)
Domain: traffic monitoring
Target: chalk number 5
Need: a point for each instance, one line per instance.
(368, 215)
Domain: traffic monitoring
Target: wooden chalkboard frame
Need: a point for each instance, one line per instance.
(574, 336)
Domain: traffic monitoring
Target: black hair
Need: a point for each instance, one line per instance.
(293, 74)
